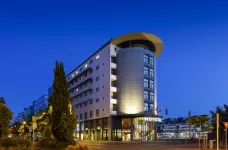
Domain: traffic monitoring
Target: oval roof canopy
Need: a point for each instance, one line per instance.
(156, 41)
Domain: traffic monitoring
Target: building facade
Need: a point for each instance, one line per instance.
(114, 91)
(40, 104)
(177, 128)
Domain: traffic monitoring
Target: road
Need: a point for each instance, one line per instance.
(138, 146)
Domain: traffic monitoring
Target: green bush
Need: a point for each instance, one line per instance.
(46, 143)
(14, 142)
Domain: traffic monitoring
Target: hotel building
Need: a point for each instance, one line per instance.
(114, 91)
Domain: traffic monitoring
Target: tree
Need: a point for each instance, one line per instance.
(62, 120)
(202, 122)
(223, 117)
(5, 117)
(15, 127)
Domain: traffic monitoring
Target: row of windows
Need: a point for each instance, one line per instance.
(90, 114)
(149, 71)
(81, 77)
(86, 103)
(148, 59)
(148, 83)
(85, 66)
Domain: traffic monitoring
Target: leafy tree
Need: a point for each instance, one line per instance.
(62, 119)
(2, 100)
(223, 117)
(15, 127)
(202, 122)
(5, 117)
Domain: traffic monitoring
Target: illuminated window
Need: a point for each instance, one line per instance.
(146, 107)
(76, 72)
(97, 57)
(151, 60)
(86, 65)
(72, 75)
(146, 95)
(146, 83)
(151, 94)
(146, 59)
(151, 84)
(146, 71)
(151, 72)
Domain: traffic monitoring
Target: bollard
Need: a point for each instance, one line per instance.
(211, 147)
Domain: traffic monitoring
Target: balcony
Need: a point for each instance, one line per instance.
(113, 101)
(113, 112)
(113, 65)
(113, 78)
(83, 89)
(113, 89)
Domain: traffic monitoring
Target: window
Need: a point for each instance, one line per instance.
(97, 100)
(91, 61)
(151, 60)
(72, 75)
(146, 83)
(86, 75)
(91, 92)
(80, 105)
(86, 65)
(91, 71)
(151, 94)
(76, 72)
(97, 113)
(85, 115)
(97, 67)
(146, 59)
(91, 102)
(76, 106)
(146, 71)
(91, 81)
(85, 103)
(97, 89)
(146, 107)
(151, 107)
(151, 84)
(76, 117)
(80, 116)
(97, 57)
(151, 72)
(81, 69)
(91, 114)
(97, 78)
(114, 107)
(146, 95)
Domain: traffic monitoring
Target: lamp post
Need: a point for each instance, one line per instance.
(226, 126)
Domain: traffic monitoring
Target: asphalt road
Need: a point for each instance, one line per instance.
(149, 146)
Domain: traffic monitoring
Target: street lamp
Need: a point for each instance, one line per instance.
(24, 122)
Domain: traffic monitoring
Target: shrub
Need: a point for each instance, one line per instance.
(79, 146)
(47, 132)
(14, 142)
(46, 143)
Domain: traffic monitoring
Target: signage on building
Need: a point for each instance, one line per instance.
(152, 119)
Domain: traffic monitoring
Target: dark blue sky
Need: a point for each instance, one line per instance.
(192, 69)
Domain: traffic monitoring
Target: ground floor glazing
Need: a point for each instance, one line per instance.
(128, 128)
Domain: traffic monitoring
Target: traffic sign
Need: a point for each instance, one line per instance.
(34, 125)
(225, 124)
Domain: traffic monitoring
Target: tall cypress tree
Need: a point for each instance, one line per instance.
(62, 120)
